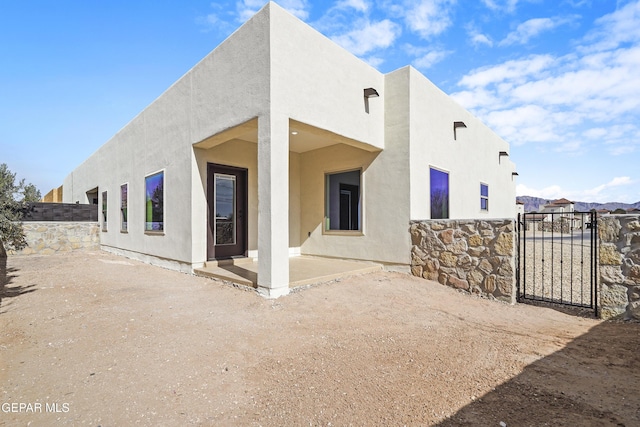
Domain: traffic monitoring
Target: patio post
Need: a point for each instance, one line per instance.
(273, 205)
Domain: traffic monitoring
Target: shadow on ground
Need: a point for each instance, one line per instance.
(591, 382)
(7, 274)
(559, 306)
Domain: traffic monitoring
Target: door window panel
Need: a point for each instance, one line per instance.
(225, 215)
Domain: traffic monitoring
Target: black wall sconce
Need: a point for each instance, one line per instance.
(502, 153)
(513, 174)
(369, 93)
(457, 125)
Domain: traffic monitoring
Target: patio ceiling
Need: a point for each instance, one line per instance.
(302, 138)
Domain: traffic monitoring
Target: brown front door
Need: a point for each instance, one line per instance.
(227, 202)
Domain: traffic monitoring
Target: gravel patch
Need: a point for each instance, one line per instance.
(557, 269)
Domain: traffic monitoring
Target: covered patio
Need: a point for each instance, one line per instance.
(277, 205)
(303, 270)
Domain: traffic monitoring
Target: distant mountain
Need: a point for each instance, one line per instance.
(534, 204)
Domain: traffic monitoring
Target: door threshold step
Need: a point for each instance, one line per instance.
(229, 261)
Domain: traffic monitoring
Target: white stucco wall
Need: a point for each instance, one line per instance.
(272, 70)
(225, 89)
(154, 141)
(324, 86)
(315, 81)
(471, 159)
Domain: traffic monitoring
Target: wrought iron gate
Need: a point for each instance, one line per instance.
(557, 258)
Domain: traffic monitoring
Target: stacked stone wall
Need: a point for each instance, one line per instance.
(477, 256)
(619, 253)
(47, 238)
(557, 226)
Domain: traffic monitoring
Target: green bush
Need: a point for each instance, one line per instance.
(13, 200)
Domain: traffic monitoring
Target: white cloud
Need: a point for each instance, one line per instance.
(573, 146)
(600, 194)
(430, 58)
(374, 61)
(476, 99)
(596, 192)
(368, 36)
(514, 70)
(578, 3)
(615, 132)
(359, 5)
(428, 18)
(532, 28)
(615, 28)
(620, 150)
(552, 192)
(217, 21)
(622, 139)
(247, 8)
(501, 5)
(595, 133)
(209, 22)
(478, 39)
(559, 99)
(298, 8)
(523, 124)
(622, 180)
(348, 23)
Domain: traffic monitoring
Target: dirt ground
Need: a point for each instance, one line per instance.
(94, 339)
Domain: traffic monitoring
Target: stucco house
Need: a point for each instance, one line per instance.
(559, 206)
(269, 148)
(564, 210)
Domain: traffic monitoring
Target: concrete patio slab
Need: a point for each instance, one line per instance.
(303, 270)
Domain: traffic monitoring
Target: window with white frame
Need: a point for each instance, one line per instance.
(439, 193)
(124, 196)
(104, 211)
(154, 203)
(343, 207)
(484, 197)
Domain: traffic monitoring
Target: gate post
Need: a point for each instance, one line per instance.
(618, 267)
(595, 262)
(518, 255)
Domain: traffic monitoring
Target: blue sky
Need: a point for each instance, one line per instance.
(558, 79)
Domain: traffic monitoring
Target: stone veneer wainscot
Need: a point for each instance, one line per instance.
(477, 256)
(619, 254)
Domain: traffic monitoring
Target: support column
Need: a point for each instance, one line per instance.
(273, 205)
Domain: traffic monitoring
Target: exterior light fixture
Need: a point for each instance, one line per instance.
(371, 93)
(502, 153)
(457, 125)
(295, 132)
(514, 174)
